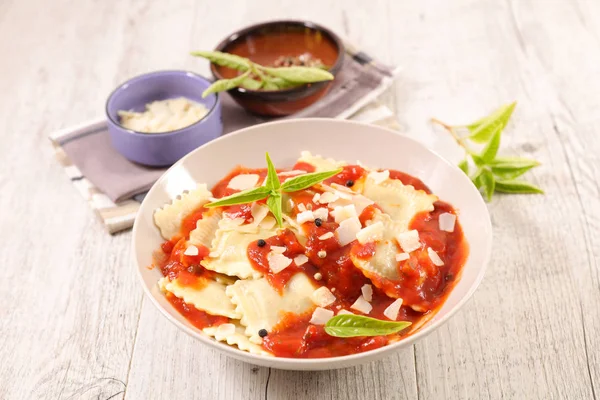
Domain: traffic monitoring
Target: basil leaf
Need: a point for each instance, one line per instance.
(226, 84)
(347, 325)
(509, 171)
(247, 196)
(517, 186)
(307, 180)
(488, 184)
(224, 59)
(272, 179)
(251, 84)
(476, 178)
(483, 129)
(477, 160)
(274, 204)
(491, 148)
(300, 74)
(280, 83)
(269, 86)
(464, 166)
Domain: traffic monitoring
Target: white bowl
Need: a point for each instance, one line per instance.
(343, 140)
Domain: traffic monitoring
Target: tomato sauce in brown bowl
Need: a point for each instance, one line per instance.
(277, 43)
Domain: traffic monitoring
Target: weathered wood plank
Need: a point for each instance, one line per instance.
(73, 321)
(524, 333)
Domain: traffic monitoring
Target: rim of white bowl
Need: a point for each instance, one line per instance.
(290, 362)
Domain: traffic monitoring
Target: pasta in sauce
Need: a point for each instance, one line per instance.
(366, 242)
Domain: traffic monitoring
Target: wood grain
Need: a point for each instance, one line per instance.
(73, 321)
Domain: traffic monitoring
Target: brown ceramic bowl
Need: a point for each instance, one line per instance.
(264, 43)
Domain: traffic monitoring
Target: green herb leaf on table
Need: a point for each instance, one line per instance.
(517, 187)
(349, 325)
(512, 167)
(247, 196)
(491, 148)
(487, 183)
(494, 173)
(483, 129)
(224, 59)
(307, 180)
(464, 166)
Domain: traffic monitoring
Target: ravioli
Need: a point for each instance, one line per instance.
(228, 253)
(205, 229)
(236, 338)
(205, 294)
(320, 163)
(401, 202)
(262, 307)
(383, 263)
(168, 218)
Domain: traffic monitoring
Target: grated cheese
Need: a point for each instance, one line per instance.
(328, 197)
(326, 236)
(243, 181)
(402, 256)
(379, 177)
(367, 292)
(322, 297)
(409, 241)
(371, 233)
(342, 213)
(305, 216)
(278, 249)
(435, 258)
(320, 316)
(393, 309)
(446, 222)
(300, 259)
(321, 213)
(191, 251)
(278, 262)
(362, 305)
(346, 232)
(163, 116)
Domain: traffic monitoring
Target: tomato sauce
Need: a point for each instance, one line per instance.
(200, 319)
(294, 337)
(409, 180)
(349, 175)
(259, 261)
(422, 285)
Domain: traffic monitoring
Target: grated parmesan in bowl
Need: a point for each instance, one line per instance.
(164, 116)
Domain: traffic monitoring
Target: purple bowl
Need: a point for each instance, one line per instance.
(162, 149)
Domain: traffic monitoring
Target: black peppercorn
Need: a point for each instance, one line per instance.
(350, 183)
(261, 243)
(263, 333)
(318, 222)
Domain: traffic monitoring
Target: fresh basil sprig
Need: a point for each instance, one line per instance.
(266, 78)
(273, 190)
(491, 172)
(350, 325)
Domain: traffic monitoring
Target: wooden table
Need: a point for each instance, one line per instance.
(74, 323)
